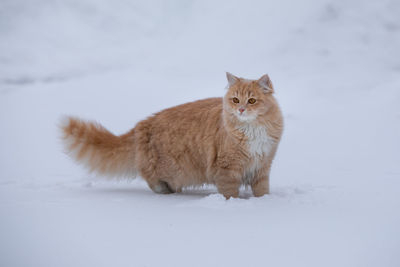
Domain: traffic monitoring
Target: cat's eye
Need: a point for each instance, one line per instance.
(252, 101)
(235, 100)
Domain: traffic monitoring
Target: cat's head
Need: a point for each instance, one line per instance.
(248, 99)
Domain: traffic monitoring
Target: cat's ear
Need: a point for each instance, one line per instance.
(232, 79)
(265, 83)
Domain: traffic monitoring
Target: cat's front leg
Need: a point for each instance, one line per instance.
(228, 176)
(229, 187)
(228, 183)
(260, 185)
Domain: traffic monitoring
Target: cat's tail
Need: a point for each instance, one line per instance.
(97, 149)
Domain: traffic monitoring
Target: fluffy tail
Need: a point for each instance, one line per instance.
(96, 148)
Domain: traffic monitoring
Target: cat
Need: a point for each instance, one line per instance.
(227, 141)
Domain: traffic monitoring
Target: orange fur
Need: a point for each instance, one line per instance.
(202, 142)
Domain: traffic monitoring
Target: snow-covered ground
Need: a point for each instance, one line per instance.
(335, 197)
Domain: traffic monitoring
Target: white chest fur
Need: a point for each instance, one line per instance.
(259, 142)
(259, 145)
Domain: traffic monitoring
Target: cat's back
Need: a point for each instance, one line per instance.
(192, 124)
(193, 109)
(193, 114)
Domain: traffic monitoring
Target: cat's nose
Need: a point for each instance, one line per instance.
(241, 110)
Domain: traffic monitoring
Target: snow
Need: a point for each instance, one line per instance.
(335, 183)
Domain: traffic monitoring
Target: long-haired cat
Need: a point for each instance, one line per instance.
(226, 141)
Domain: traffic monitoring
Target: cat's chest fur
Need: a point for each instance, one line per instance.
(259, 145)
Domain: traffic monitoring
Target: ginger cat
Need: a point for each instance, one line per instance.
(226, 141)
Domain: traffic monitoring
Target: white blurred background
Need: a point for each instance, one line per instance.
(335, 195)
(49, 40)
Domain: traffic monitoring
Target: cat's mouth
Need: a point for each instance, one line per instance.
(245, 116)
